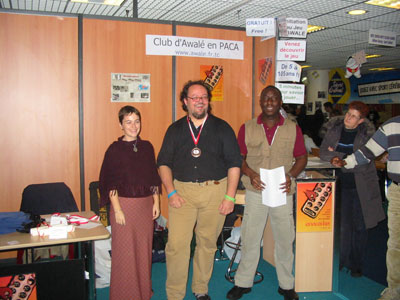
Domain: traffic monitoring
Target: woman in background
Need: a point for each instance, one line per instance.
(361, 204)
(130, 181)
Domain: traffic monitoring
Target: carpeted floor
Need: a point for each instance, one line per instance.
(349, 288)
(367, 287)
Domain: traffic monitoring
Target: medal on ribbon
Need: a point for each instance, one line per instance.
(196, 151)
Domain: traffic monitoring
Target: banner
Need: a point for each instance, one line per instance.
(193, 47)
(383, 38)
(378, 88)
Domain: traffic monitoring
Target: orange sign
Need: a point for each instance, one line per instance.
(213, 76)
(314, 206)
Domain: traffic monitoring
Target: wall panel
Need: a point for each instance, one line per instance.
(39, 109)
(119, 47)
(236, 106)
(263, 49)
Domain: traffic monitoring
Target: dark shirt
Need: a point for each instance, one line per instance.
(346, 146)
(132, 174)
(218, 145)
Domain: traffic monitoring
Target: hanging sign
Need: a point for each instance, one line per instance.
(378, 88)
(383, 38)
(260, 27)
(291, 50)
(291, 92)
(292, 27)
(287, 71)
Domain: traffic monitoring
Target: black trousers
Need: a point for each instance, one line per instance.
(353, 233)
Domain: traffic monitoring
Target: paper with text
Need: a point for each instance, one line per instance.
(272, 195)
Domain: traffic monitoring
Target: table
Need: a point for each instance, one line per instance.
(16, 240)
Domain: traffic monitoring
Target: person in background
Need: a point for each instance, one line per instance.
(314, 127)
(308, 141)
(199, 164)
(361, 203)
(301, 116)
(373, 116)
(268, 141)
(130, 181)
(386, 138)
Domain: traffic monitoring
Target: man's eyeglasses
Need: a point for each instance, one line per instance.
(196, 98)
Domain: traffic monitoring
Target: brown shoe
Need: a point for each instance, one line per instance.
(288, 294)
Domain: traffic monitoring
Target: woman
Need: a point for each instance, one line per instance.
(130, 181)
(361, 204)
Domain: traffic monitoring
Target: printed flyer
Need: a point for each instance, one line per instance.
(314, 206)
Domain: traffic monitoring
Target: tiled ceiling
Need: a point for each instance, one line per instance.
(326, 49)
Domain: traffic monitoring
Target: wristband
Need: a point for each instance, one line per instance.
(171, 194)
(230, 198)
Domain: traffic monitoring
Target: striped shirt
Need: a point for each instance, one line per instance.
(386, 138)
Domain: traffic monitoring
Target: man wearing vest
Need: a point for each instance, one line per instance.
(268, 141)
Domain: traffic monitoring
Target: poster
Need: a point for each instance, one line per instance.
(213, 77)
(264, 68)
(338, 86)
(314, 206)
(130, 87)
(21, 286)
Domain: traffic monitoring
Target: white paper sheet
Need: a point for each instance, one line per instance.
(272, 195)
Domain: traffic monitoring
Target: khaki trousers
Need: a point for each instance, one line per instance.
(282, 225)
(393, 252)
(199, 212)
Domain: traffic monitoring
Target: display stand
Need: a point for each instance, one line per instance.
(315, 224)
(314, 245)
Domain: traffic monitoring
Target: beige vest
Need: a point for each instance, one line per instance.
(261, 155)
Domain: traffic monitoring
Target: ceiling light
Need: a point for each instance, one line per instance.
(381, 69)
(105, 2)
(314, 28)
(386, 3)
(357, 12)
(372, 55)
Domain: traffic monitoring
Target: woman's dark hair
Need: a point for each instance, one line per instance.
(126, 111)
(362, 108)
(185, 90)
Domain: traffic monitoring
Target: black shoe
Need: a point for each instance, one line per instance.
(237, 292)
(288, 294)
(356, 273)
(202, 296)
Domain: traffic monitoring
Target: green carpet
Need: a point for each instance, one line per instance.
(349, 288)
